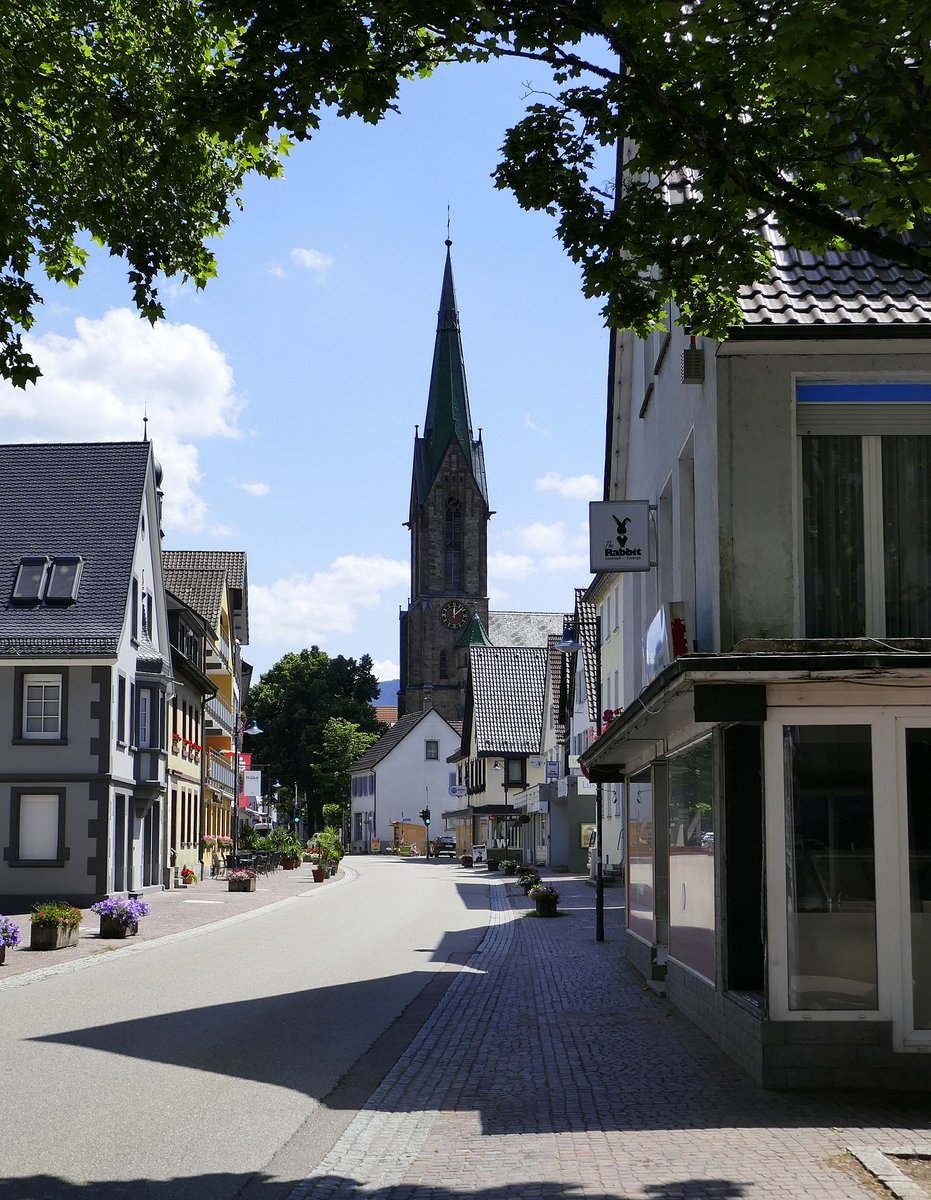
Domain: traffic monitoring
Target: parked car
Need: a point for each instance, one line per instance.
(444, 844)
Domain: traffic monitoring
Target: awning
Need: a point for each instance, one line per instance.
(481, 810)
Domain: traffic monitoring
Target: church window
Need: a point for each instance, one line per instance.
(453, 544)
(444, 665)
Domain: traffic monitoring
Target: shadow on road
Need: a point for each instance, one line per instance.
(334, 1187)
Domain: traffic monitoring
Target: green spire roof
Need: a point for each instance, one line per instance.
(474, 633)
(448, 413)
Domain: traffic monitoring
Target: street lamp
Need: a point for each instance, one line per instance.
(504, 784)
(571, 644)
(238, 732)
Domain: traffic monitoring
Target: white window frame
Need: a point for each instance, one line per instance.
(33, 679)
(869, 422)
(44, 814)
(887, 853)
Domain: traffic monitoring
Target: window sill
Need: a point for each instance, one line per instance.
(34, 741)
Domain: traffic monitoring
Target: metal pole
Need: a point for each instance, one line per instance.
(235, 817)
(599, 873)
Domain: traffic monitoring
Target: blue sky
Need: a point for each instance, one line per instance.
(282, 400)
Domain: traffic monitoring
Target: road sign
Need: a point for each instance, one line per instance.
(458, 791)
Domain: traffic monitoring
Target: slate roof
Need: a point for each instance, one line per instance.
(849, 292)
(58, 499)
(507, 685)
(448, 415)
(523, 628)
(387, 742)
(587, 617)
(195, 573)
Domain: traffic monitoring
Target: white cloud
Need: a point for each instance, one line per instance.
(98, 384)
(570, 487)
(313, 260)
(540, 539)
(509, 566)
(577, 563)
(385, 669)
(254, 489)
(300, 611)
(276, 270)
(530, 424)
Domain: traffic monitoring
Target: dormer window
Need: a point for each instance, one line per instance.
(54, 580)
(65, 580)
(30, 580)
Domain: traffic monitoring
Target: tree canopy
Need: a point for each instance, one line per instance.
(138, 123)
(294, 703)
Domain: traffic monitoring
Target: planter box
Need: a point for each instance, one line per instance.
(112, 928)
(319, 874)
(546, 908)
(241, 885)
(53, 937)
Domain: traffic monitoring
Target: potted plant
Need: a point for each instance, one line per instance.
(315, 858)
(509, 866)
(545, 898)
(55, 925)
(242, 879)
(527, 880)
(187, 877)
(224, 843)
(119, 917)
(10, 935)
(466, 860)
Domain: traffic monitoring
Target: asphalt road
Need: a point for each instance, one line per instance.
(226, 1065)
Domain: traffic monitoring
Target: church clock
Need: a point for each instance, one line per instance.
(454, 614)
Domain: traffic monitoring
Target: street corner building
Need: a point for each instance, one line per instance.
(771, 737)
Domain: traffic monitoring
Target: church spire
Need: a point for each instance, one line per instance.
(448, 413)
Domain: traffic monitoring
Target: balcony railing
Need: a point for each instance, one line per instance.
(219, 773)
(217, 717)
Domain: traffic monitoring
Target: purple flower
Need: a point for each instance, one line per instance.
(127, 912)
(9, 933)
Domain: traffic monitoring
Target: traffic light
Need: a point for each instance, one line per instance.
(425, 816)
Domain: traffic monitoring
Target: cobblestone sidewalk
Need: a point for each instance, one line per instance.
(563, 1075)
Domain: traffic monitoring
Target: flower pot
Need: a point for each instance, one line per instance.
(319, 874)
(241, 885)
(110, 927)
(546, 907)
(53, 937)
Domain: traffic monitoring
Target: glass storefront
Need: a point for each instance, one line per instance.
(830, 867)
(640, 852)
(918, 776)
(691, 859)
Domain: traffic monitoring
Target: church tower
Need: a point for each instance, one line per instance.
(449, 530)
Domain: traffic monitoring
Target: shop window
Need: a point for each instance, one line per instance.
(691, 859)
(830, 865)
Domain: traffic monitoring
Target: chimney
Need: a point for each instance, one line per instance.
(427, 696)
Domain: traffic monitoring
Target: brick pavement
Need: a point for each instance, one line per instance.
(563, 1075)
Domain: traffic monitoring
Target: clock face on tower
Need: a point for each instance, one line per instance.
(454, 614)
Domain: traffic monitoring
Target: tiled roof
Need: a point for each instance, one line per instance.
(387, 742)
(387, 714)
(59, 499)
(201, 590)
(523, 628)
(587, 615)
(203, 562)
(233, 562)
(559, 670)
(507, 697)
(836, 290)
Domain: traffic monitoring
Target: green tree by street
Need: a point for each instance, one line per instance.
(810, 112)
(293, 703)
(343, 743)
